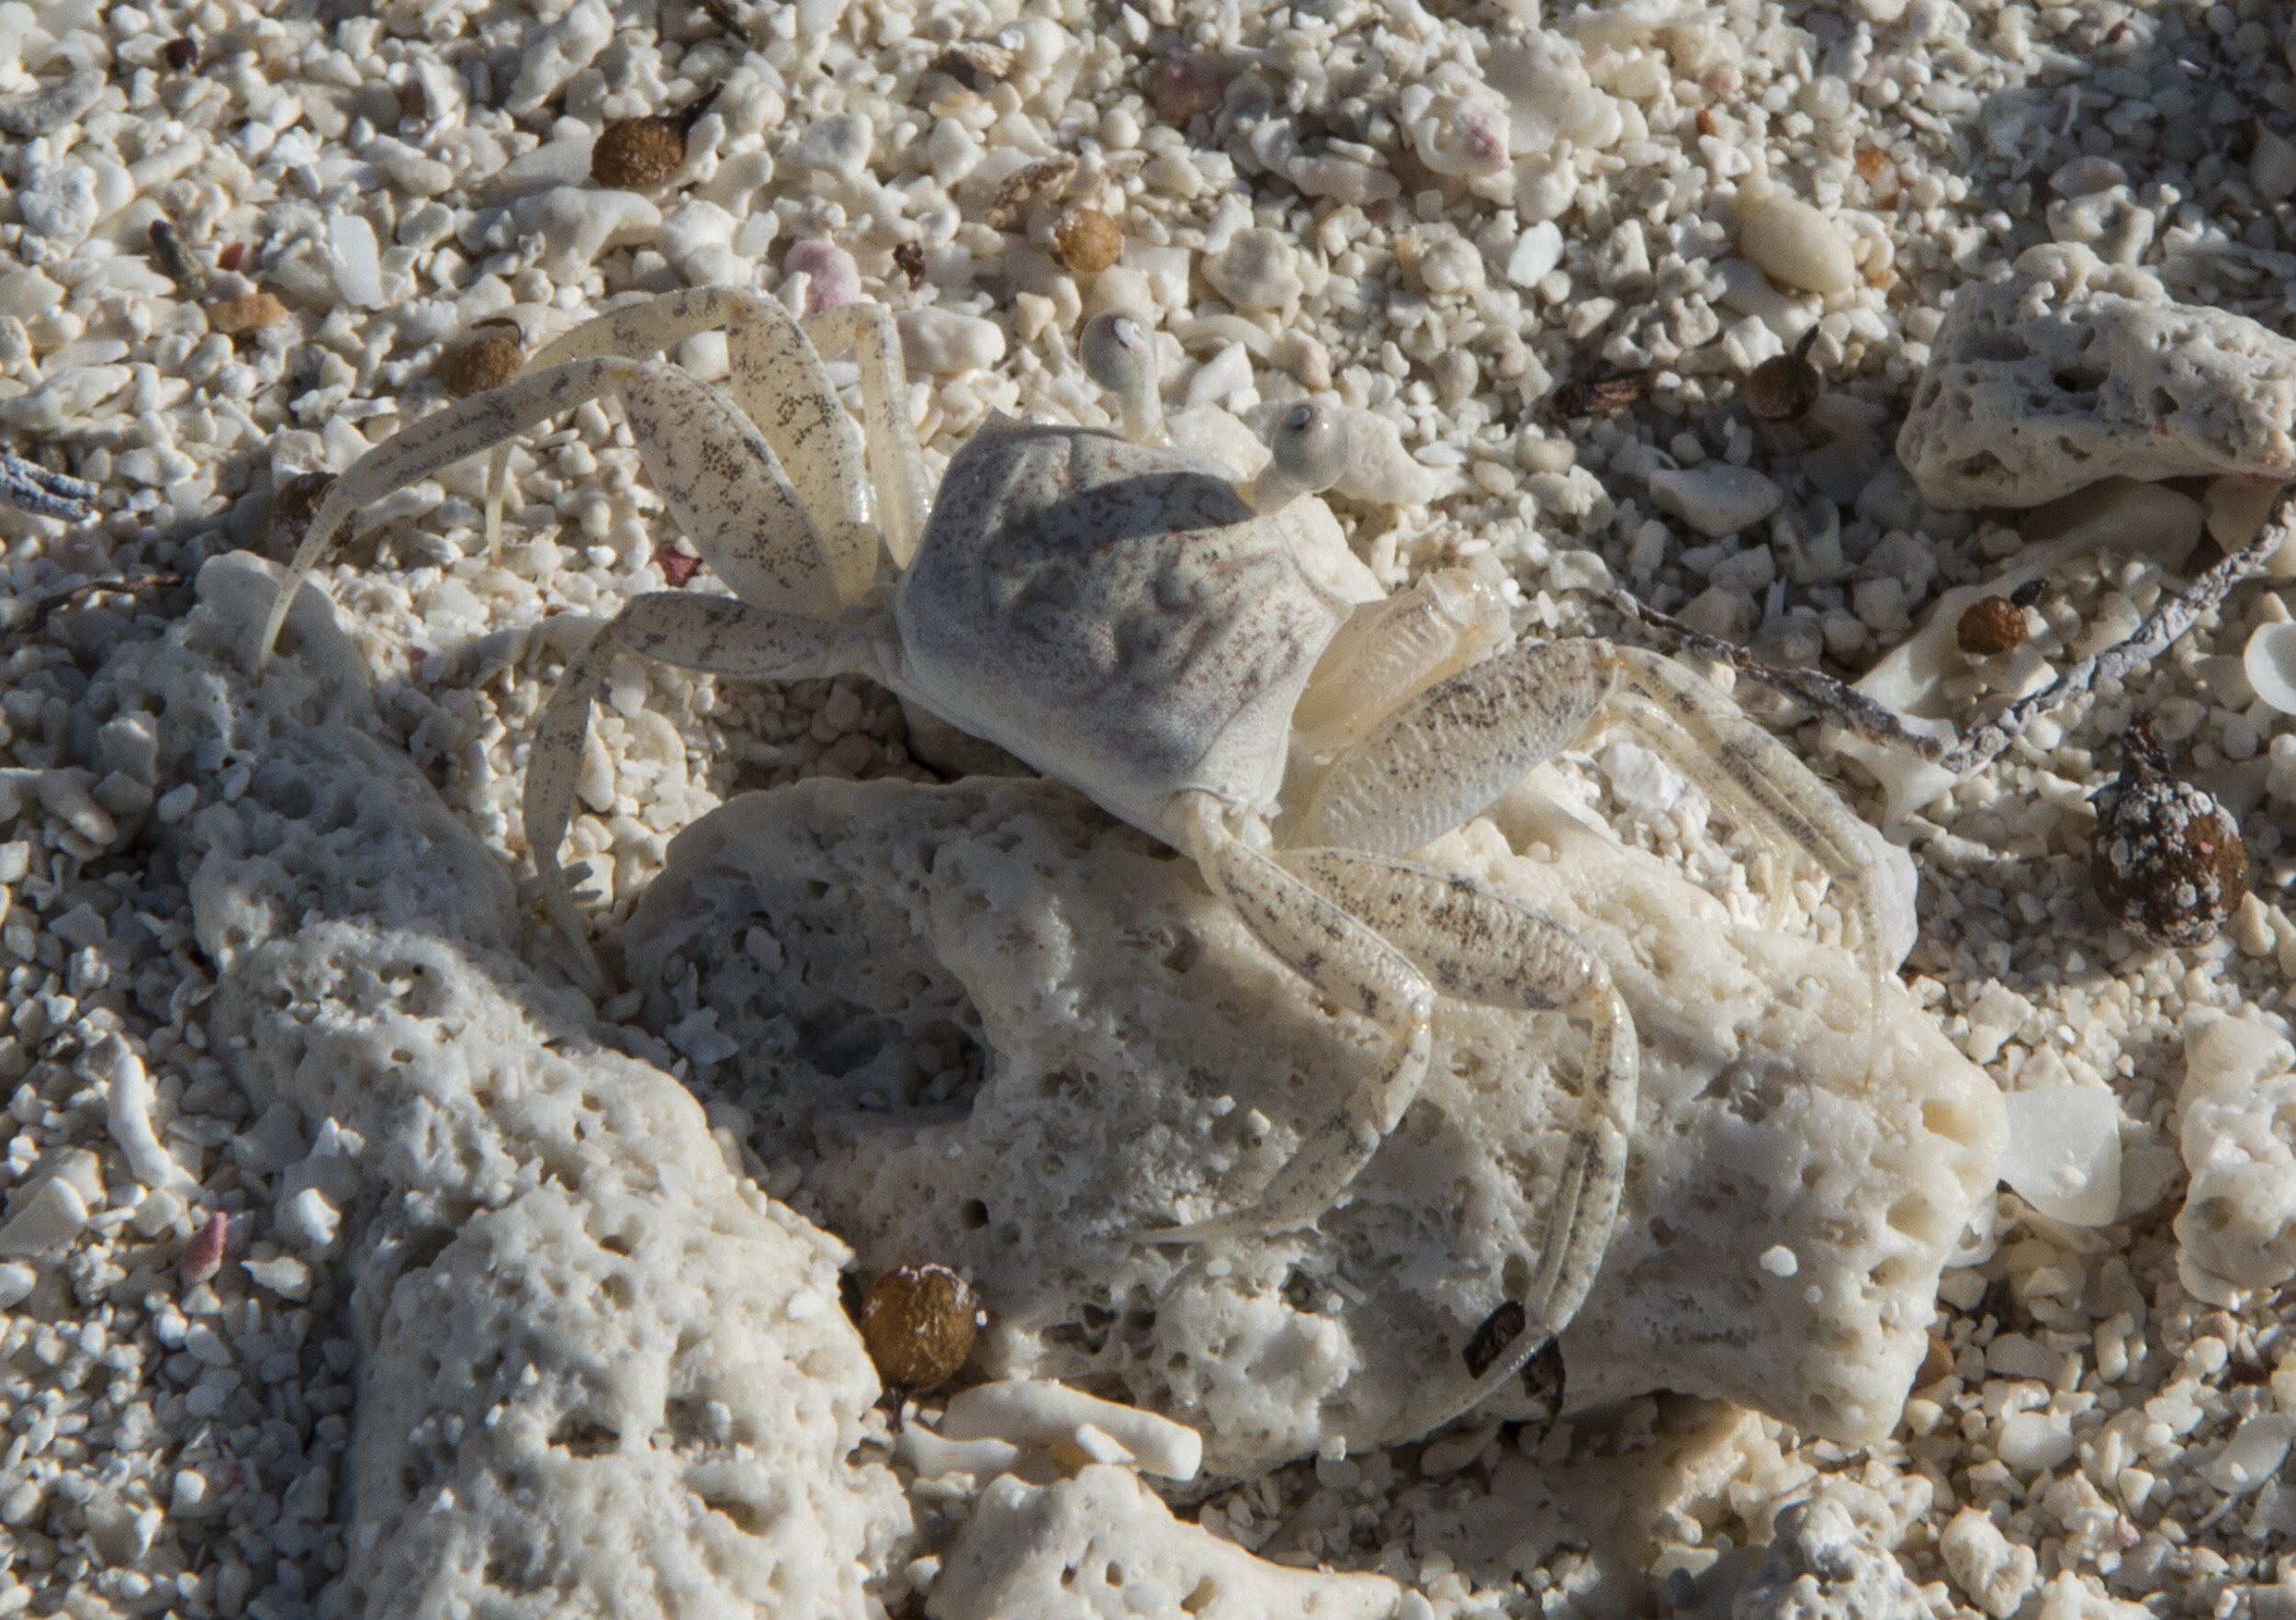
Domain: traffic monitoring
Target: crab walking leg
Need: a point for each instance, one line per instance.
(896, 465)
(1733, 759)
(731, 494)
(1479, 945)
(716, 635)
(438, 440)
(1449, 752)
(776, 378)
(1351, 965)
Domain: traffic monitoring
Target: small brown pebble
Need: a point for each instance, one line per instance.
(179, 54)
(2167, 860)
(911, 259)
(677, 566)
(1602, 396)
(175, 259)
(1937, 1361)
(485, 362)
(1992, 624)
(633, 154)
(296, 502)
(1182, 86)
(230, 255)
(1782, 387)
(248, 312)
(1088, 239)
(919, 1322)
(203, 1256)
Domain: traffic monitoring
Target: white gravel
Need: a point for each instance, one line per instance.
(1434, 218)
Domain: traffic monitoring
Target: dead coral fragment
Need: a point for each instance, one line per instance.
(2168, 860)
(919, 1322)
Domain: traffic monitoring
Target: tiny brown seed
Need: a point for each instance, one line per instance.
(918, 1323)
(1992, 624)
(911, 259)
(636, 152)
(485, 362)
(1088, 239)
(1782, 388)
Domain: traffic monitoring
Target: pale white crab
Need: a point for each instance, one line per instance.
(1135, 621)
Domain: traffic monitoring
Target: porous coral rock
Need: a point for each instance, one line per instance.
(2238, 1224)
(1100, 1546)
(2071, 369)
(1822, 1566)
(993, 1028)
(601, 1373)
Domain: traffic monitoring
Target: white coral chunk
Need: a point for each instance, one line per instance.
(1102, 1545)
(2074, 369)
(2237, 1131)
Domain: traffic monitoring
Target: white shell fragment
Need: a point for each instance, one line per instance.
(1716, 498)
(1034, 1411)
(2064, 1153)
(358, 260)
(1161, 1087)
(1794, 245)
(2269, 663)
(1822, 1563)
(2238, 1224)
(2072, 366)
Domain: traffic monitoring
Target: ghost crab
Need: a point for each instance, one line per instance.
(1135, 621)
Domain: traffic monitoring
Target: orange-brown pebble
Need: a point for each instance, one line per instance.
(248, 312)
(203, 1256)
(1993, 624)
(1936, 1362)
(636, 152)
(1088, 239)
(918, 1322)
(485, 362)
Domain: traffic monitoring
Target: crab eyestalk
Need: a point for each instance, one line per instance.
(1120, 353)
(1310, 452)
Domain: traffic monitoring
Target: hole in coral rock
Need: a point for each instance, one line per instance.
(973, 1214)
(1114, 1576)
(748, 1516)
(580, 1436)
(618, 1291)
(1198, 1601)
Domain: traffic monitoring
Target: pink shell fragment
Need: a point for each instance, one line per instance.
(834, 279)
(203, 1256)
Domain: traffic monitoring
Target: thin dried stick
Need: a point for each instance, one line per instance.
(30, 486)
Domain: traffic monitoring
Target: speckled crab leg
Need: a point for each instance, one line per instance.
(714, 634)
(775, 378)
(1348, 964)
(1732, 759)
(720, 478)
(896, 466)
(438, 440)
(1477, 945)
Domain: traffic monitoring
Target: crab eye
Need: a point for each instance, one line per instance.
(1114, 349)
(1311, 448)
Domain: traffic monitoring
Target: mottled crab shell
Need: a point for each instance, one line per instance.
(1115, 614)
